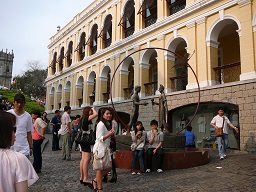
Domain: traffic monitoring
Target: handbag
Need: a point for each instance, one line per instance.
(101, 163)
(85, 137)
(139, 147)
(219, 131)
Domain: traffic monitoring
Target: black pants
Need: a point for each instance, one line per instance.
(37, 154)
(55, 141)
(159, 157)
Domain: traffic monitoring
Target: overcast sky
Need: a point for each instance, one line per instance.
(27, 25)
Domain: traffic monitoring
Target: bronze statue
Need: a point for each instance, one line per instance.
(163, 108)
(135, 110)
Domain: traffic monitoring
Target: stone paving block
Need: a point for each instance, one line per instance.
(238, 171)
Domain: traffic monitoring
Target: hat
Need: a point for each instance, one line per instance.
(19, 97)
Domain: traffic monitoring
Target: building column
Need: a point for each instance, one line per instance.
(144, 77)
(162, 9)
(138, 18)
(248, 68)
(161, 67)
(48, 102)
(212, 61)
(191, 47)
(169, 62)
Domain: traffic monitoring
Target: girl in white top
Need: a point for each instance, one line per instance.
(16, 171)
(103, 134)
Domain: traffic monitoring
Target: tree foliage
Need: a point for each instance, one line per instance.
(32, 82)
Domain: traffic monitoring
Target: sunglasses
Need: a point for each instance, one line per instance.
(14, 129)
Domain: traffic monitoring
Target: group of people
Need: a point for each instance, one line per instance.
(23, 133)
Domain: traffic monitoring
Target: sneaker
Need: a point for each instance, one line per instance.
(133, 172)
(109, 173)
(140, 172)
(148, 171)
(221, 157)
(224, 155)
(159, 170)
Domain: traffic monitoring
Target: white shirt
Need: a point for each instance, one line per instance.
(24, 125)
(15, 168)
(218, 121)
(100, 144)
(65, 119)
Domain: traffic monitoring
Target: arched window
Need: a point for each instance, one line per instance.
(93, 39)
(128, 19)
(81, 47)
(176, 5)
(60, 59)
(106, 32)
(148, 10)
(53, 63)
(69, 53)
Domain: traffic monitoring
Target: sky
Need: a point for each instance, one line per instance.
(27, 25)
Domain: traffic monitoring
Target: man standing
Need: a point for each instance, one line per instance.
(55, 122)
(221, 121)
(23, 141)
(66, 132)
(135, 110)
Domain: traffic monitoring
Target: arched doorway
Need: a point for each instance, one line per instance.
(179, 117)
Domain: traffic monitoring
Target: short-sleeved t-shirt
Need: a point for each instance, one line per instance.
(15, 168)
(157, 140)
(85, 124)
(65, 119)
(38, 125)
(218, 121)
(190, 138)
(24, 125)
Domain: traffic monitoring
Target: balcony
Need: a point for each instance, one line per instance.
(179, 83)
(228, 73)
(150, 88)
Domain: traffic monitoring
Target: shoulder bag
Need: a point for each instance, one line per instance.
(219, 130)
(85, 137)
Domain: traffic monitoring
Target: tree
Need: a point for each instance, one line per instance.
(32, 82)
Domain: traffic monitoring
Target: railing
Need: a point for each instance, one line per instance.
(105, 97)
(177, 6)
(80, 102)
(228, 73)
(129, 31)
(179, 82)
(150, 88)
(150, 20)
(92, 99)
(127, 93)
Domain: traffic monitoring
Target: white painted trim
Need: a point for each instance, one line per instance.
(201, 84)
(247, 76)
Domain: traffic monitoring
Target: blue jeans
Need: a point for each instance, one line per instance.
(37, 154)
(222, 144)
(138, 154)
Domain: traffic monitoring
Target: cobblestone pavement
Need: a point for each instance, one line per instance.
(237, 172)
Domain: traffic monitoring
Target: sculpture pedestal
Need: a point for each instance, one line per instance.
(175, 155)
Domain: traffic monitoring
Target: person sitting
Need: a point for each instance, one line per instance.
(138, 139)
(190, 137)
(16, 171)
(155, 139)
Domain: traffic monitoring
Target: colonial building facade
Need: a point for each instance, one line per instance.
(85, 62)
(6, 65)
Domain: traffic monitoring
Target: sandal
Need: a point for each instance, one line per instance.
(91, 186)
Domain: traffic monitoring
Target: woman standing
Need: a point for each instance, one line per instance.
(103, 134)
(86, 119)
(16, 171)
(38, 137)
(114, 126)
(138, 139)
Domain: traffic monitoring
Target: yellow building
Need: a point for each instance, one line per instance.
(219, 35)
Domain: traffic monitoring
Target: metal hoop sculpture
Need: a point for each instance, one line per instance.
(154, 48)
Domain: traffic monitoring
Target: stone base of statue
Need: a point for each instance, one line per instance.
(176, 156)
